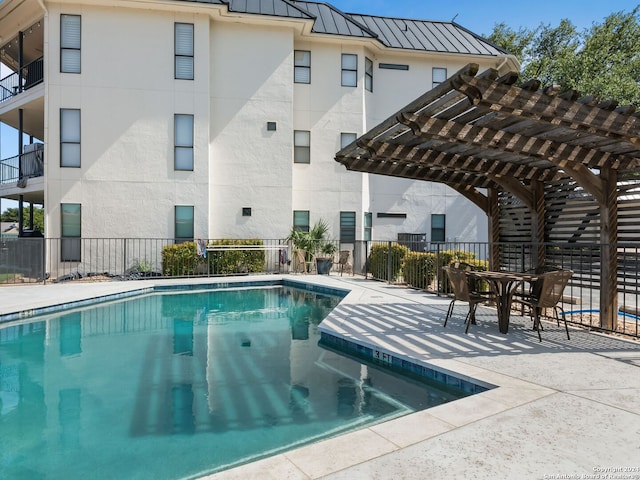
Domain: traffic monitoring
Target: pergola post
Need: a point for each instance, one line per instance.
(538, 216)
(493, 216)
(609, 253)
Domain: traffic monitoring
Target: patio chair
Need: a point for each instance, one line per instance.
(533, 288)
(463, 292)
(546, 292)
(343, 261)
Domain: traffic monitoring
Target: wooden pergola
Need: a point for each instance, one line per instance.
(481, 135)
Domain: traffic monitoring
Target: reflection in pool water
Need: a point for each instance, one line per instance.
(182, 384)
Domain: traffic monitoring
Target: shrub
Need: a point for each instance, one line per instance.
(474, 263)
(447, 257)
(419, 269)
(225, 262)
(378, 260)
(180, 260)
(480, 266)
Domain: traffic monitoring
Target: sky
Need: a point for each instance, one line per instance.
(480, 16)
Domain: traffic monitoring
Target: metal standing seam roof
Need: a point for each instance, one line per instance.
(330, 20)
(435, 36)
(277, 8)
(400, 33)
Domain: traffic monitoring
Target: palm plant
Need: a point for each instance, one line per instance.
(315, 242)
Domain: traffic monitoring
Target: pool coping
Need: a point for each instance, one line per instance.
(30, 313)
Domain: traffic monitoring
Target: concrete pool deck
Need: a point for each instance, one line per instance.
(563, 409)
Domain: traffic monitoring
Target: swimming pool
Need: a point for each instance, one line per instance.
(183, 384)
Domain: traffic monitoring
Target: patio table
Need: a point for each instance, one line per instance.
(504, 283)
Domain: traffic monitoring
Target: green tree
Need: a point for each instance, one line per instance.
(11, 215)
(514, 42)
(603, 61)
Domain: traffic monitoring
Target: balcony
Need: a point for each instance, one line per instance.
(16, 170)
(29, 76)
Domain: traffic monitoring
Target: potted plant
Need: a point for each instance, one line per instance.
(316, 244)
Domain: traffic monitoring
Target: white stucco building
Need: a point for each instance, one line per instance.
(212, 119)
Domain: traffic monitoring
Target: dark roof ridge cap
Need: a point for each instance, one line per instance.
(480, 37)
(401, 18)
(308, 14)
(346, 16)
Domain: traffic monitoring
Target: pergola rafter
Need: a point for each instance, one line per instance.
(481, 134)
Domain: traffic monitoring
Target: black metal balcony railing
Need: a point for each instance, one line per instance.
(14, 84)
(28, 165)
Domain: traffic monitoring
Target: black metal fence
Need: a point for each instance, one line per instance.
(33, 260)
(30, 260)
(420, 266)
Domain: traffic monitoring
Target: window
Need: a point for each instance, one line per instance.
(437, 227)
(302, 66)
(349, 70)
(70, 217)
(347, 139)
(184, 51)
(368, 74)
(439, 75)
(69, 137)
(183, 223)
(301, 220)
(246, 211)
(183, 135)
(368, 223)
(301, 146)
(393, 66)
(70, 43)
(347, 226)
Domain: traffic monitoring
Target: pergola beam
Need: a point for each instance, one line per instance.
(554, 110)
(541, 148)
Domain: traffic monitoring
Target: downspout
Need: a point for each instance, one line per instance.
(504, 60)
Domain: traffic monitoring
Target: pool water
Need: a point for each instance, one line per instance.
(178, 385)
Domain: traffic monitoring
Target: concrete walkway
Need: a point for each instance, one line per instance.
(563, 409)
